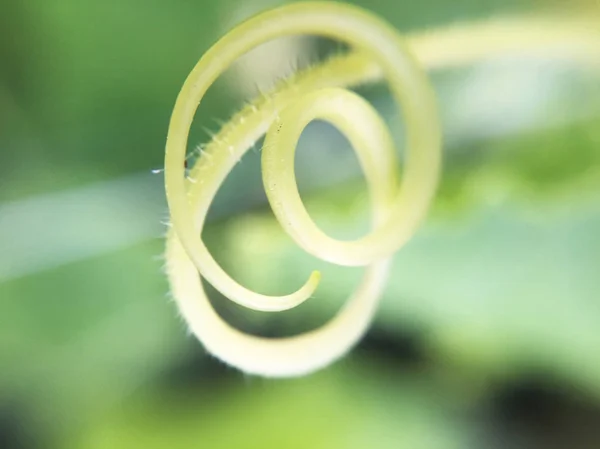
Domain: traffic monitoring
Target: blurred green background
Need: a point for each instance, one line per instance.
(488, 335)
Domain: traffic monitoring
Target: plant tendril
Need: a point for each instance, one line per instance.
(378, 52)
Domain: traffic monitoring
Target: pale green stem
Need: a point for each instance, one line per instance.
(378, 52)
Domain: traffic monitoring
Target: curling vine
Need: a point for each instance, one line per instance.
(377, 53)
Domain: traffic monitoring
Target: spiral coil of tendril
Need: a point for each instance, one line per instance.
(378, 52)
(315, 94)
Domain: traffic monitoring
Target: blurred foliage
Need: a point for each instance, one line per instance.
(500, 285)
(355, 402)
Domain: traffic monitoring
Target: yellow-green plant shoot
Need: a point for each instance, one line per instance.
(378, 52)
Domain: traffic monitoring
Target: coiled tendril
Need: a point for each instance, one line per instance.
(377, 51)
